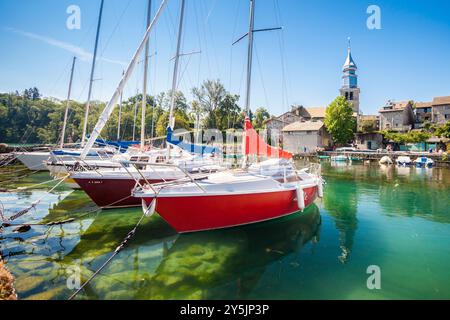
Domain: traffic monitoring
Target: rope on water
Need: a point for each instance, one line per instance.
(35, 185)
(116, 251)
(21, 177)
(35, 203)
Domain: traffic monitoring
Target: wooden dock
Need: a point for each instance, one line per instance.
(376, 156)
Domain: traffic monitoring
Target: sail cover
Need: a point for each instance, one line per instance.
(255, 145)
(192, 148)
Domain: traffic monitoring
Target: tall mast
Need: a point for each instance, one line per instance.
(109, 108)
(171, 124)
(135, 116)
(91, 81)
(67, 103)
(250, 55)
(144, 90)
(120, 113)
(175, 69)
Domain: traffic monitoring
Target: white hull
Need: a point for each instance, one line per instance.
(34, 160)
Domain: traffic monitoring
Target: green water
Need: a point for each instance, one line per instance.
(395, 218)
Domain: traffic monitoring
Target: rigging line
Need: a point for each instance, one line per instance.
(199, 42)
(119, 248)
(281, 41)
(232, 39)
(214, 51)
(261, 76)
(116, 27)
(206, 50)
(68, 63)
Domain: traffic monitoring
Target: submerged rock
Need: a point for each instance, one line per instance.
(7, 291)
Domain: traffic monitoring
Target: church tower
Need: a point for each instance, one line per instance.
(349, 87)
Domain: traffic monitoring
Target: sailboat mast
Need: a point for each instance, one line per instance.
(109, 108)
(250, 56)
(66, 113)
(175, 69)
(135, 116)
(91, 81)
(144, 90)
(119, 120)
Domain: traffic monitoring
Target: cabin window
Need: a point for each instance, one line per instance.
(160, 159)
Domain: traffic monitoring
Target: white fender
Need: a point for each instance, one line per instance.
(149, 210)
(320, 187)
(300, 198)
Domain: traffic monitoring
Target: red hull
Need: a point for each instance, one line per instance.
(196, 213)
(111, 193)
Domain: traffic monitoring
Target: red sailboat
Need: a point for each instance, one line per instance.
(260, 192)
(264, 191)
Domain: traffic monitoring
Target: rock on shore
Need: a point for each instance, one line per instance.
(7, 291)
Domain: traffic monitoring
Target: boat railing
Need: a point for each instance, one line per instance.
(187, 176)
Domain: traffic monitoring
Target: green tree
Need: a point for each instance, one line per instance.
(339, 120)
(261, 114)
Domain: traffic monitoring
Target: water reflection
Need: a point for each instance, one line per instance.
(218, 264)
(341, 202)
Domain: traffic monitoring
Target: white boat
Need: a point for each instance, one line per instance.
(385, 160)
(403, 161)
(424, 162)
(339, 158)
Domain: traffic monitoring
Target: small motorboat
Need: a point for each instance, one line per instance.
(385, 160)
(403, 161)
(339, 158)
(424, 162)
(323, 157)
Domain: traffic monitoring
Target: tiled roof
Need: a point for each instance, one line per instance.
(316, 112)
(304, 126)
(396, 106)
(423, 105)
(441, 100)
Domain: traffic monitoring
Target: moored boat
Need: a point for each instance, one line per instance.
(385, 160)
(423, 162)
(231, 198)
(403, 161)
(339, 158)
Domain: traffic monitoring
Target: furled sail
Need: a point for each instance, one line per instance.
(192, 148)
(255, 145)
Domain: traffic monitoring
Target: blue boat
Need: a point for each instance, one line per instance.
(424, 162)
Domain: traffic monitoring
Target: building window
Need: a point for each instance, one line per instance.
(351, 95)
(447, 116)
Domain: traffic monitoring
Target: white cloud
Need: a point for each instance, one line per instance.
(79, 52)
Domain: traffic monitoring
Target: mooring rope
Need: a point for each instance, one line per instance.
(35, 203)
(116, 251)
(21, 177)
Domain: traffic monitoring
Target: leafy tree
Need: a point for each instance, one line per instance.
(261, 114)
(339, 120)
(443, 131)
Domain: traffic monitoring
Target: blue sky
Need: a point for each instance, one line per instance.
(408, 58)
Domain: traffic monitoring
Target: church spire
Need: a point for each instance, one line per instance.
(349, 62)
(349, 87)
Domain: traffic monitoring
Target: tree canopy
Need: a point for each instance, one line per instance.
(339, 120)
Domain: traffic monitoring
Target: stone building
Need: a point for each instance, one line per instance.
(441, 110)
(305, 136)
(275, 125)
(397, 116)
(424, 113)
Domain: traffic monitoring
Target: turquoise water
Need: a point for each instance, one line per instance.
(395, 218)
